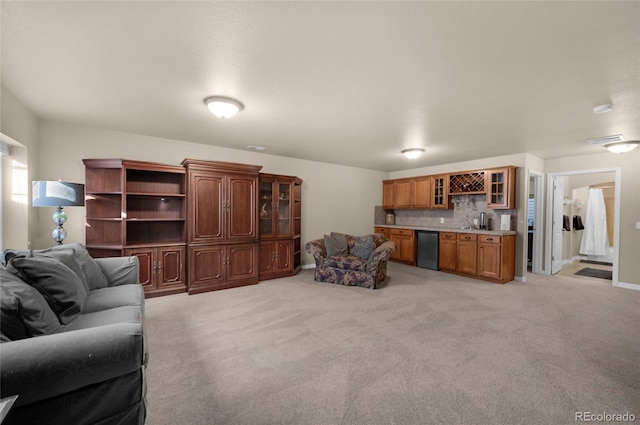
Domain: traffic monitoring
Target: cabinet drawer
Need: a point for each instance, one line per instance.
(448, 236)
(467, 237)
(490, 239)
(403, 232)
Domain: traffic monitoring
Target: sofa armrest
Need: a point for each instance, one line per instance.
(317, 249)
(381, 253)
(42, 367)
(120, 270)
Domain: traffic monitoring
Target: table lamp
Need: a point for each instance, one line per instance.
(57, 194)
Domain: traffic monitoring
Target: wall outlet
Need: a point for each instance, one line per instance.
(441, 220)
(475, 221)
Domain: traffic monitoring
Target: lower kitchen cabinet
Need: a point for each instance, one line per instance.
(496, 257)
(467, 253)
(405, 240)
(481, 256)
(161, 269)
(448, 251)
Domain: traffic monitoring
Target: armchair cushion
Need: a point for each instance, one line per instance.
(336, 244)
(363, 247)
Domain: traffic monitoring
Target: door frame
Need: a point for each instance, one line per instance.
(616, 217)
(538, 220)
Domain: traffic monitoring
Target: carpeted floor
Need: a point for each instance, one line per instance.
(427, 348)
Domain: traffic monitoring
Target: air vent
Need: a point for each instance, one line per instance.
(607, 139)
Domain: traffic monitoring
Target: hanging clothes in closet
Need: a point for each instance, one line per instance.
(594, 238)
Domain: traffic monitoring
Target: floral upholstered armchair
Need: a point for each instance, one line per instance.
(351, 260)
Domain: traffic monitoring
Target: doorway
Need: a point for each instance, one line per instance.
(535, 222)
(565, 248)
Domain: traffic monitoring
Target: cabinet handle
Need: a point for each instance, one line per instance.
(489, 239)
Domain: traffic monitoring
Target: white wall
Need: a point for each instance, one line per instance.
(21, 125)
(334, 197)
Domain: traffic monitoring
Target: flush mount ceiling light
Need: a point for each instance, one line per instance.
(601, 109)
(622, 147)
(412, 153)
(223, 107)
(257, 148)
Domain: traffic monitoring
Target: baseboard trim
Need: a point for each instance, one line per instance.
(309, 266)
(520, 278)
(626, 285)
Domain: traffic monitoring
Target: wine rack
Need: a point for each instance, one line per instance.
(467, 183)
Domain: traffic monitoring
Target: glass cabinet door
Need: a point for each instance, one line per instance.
(284, 210)
(266, 208)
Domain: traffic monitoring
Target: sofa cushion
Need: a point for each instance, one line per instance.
(335, 244)
(58, 284)
(92, 271)
(112, 297)
(24, 311)
(364, 246)
(69, 259)
(346, 262)
(112, 316)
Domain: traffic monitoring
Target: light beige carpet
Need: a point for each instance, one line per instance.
(427, 348)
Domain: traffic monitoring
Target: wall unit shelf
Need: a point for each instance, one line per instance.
(139, 208)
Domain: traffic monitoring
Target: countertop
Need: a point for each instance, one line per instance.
(450, 229)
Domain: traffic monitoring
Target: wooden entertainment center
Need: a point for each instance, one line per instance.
(196, 227)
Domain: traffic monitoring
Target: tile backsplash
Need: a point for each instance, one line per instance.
(463, 206)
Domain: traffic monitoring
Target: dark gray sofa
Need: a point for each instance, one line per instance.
(72, 338)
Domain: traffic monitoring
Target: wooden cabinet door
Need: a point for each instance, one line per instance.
(241, 207)
(407, 249)
(440, 192)
(206, 208)
(170, 266)
(448, 251)
(283, 256)
(388, 194)
(146, 266)
(266, 257)
(500, 187)
(242, 262)
(422, 192)
(490, 260)
(206, 266)
(467, 254)
(405, 190)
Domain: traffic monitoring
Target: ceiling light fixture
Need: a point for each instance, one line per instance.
(223, 107)
(412, 153)
(623, 147)
(257, 148)
(601, 109)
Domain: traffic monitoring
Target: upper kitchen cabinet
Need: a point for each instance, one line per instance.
(440, 192)
(500, 185)
(407, 193)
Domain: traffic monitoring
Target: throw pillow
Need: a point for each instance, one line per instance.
(24, 311)
(364, 247)
(58, 284)
(68, 258)
(335, 245)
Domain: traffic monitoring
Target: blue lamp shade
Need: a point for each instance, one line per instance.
(57, 194)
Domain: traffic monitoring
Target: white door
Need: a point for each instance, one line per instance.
(556, 247)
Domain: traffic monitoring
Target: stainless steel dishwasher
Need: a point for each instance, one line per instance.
(428, 244)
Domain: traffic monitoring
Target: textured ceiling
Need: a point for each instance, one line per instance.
(342, 82)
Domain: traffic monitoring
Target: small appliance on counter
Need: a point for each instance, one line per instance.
(483, 220)
(390, 218)
(505, 222)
